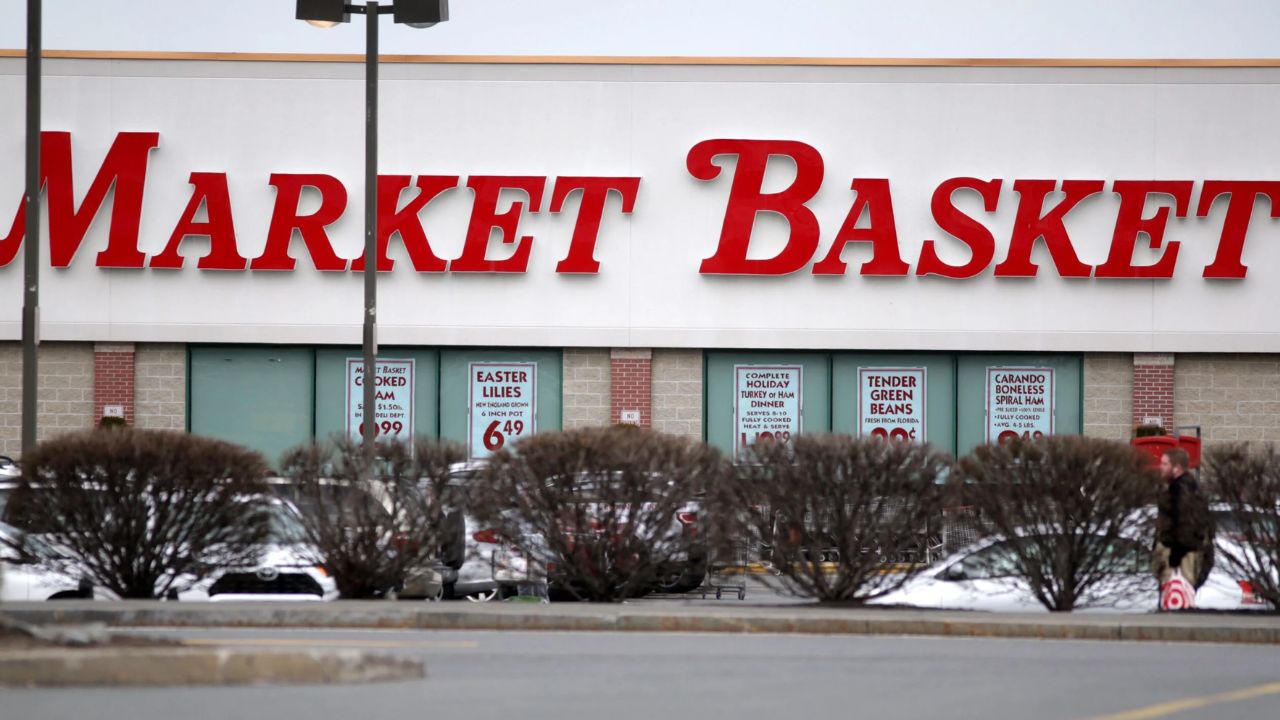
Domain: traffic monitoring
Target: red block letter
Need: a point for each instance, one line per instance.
(1033, 223)
(285, 219)
(10, 243)
(586, 231)
(1129, 222)
(873, 199)
(406, 222)
(211, 191)
(746, 199)
(125, 168)
(982, 244)
(485, 217)
(1227, 263)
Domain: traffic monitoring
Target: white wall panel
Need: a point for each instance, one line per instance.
(916, 127)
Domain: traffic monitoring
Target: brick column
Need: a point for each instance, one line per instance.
(113, 379)
(631, 385)
(1153, 388)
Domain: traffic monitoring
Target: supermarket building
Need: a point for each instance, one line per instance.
(717, 248)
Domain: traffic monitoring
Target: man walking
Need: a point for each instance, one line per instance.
(1184, 528)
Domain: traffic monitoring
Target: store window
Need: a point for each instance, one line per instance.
(491, 398)
(274, 398)
(954, 401)
(259, 397)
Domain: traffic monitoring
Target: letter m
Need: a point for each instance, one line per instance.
(124, 169)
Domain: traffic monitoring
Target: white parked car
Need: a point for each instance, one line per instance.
(981, 577)
(8, 468)
(284, 571)
(22, 578)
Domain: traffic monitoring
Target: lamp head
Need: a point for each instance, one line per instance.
(323, 13)
(420, 13)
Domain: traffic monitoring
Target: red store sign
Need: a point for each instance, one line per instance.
(1145, 210)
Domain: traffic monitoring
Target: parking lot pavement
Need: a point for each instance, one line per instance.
(621, 675)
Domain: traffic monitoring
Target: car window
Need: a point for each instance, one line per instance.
(995, 560)
(1123, 556)
(1233, 525)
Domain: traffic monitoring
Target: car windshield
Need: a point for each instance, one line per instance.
(286, 526)
(1237, 525)
(343, 504)
(13, 502)
(999, 559)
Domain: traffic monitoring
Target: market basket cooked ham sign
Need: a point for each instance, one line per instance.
(766, 403)
(1019, 402)
(395, 398)
(503, 405)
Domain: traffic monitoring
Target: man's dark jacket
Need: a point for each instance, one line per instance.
(1184, 524)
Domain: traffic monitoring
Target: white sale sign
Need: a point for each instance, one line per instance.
(766, 403)
(1019, 402)
(891, 403)
(394, 409)
(503, 405)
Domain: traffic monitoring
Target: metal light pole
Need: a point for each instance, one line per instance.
(414, 13)
(31, 248)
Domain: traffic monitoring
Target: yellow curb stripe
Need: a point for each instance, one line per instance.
(303, 642)
(1177, 706)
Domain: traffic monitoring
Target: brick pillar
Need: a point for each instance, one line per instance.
(1153, 388)
(113, 376)
(631, 385)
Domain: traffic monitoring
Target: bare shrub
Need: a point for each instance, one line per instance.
(379, 527)
(609, 512)
(1076, 511)
(1248, 482)
(143, 512)
(838, 515)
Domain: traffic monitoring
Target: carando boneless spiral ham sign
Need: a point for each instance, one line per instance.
(1019, 402)
(766, 403)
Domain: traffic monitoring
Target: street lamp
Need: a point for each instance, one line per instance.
(417, 14)
(31, 248)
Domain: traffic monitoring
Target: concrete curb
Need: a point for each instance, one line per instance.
(169, 666)
(575, 617)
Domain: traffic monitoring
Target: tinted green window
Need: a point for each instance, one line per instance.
(815, 391)
(455, 387)
(940, 391)
(331, 388)
(257, 397)
(971, 393)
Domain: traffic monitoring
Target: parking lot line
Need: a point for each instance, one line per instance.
(306, 642)
(1192, 703)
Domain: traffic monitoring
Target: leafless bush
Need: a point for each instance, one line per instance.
(376, 529)
(841, 518)
(1076, 511)
(1248, 481)
(143, 512)
(609, 512)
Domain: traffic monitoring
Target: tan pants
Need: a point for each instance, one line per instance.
(1160, 566)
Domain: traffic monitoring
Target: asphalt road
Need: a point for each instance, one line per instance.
(608, 675)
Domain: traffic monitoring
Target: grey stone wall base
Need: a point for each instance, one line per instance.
(1254, 628)
(162, 667)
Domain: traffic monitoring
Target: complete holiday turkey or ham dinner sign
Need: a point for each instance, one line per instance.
(1146, 212)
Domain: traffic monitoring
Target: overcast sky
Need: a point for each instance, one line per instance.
(798, 28)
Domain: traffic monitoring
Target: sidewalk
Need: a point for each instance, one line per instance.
(661, 616)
